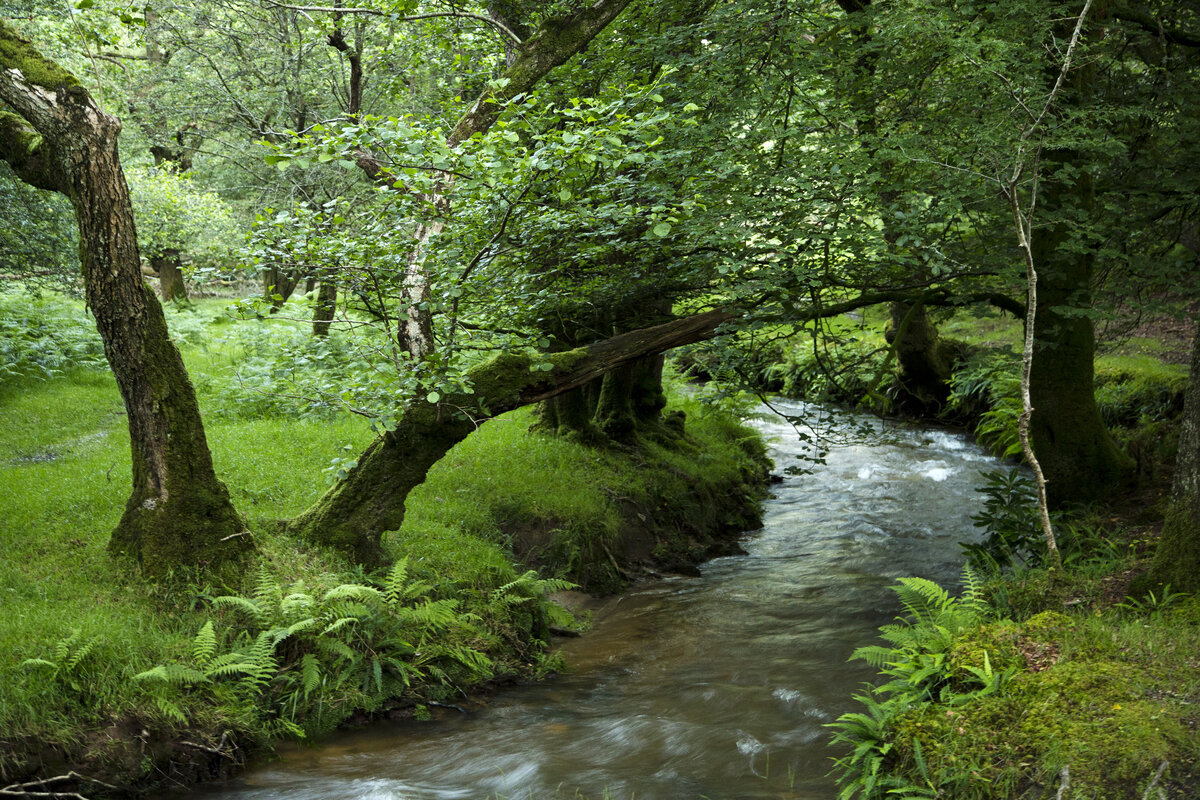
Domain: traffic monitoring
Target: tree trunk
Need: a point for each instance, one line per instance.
(170, 275)
(1081, 461)
(924, 361)
(279, 285)
(353, 515)
(178, 514)
(1177, 559)
(325, 306)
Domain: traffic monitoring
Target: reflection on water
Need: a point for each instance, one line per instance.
(713, 687)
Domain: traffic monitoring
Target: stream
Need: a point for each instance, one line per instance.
(712, 687)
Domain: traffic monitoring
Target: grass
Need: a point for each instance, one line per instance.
(64, 465)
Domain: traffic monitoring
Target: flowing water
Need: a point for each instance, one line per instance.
(711, 687)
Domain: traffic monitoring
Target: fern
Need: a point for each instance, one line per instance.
(204, 646)
(65, 665)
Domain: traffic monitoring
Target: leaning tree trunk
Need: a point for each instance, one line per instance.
(1081, 461)
(1177, 559)
(179, 514)
(353, 515)
(170, 275)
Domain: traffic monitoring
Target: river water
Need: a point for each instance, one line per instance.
(711, 687)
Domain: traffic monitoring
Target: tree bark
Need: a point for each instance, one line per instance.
(170, 275)
(353, 515)
(178, 514)
(1081, 461)
(1177, 559)
(325, 306)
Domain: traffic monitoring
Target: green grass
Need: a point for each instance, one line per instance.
(64, 464)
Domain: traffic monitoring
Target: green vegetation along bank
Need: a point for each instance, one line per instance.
(133, 684)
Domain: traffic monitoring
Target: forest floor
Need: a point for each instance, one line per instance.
(134, 684)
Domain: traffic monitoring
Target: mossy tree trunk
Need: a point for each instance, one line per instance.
(167, 265)
(178, 514)
(1081, 461)
(923, 360)
(1177, 560)
(354, 514)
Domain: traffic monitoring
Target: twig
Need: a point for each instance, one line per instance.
(28, 789)
(1158, 775)
(219, 750)
(1065, 784)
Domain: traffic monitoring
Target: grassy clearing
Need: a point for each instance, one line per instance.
(464, 593)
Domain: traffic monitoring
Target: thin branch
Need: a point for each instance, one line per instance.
(1062, 73)
(410, 18)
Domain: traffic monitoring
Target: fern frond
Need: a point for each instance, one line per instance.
(267, 592)
(204, 646)
(923, 599)
(172, 675)
(257, 613)
(310, 673)
(352, 591)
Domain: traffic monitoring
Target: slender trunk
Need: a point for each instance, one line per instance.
(178, 514)
(353, 515)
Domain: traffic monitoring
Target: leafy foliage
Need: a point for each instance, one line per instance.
(43, 335)
(1009, 518)
(297, 662)
(919, 671)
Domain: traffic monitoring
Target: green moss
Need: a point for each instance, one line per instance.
(17, 53)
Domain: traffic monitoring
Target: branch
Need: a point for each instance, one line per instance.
(1062, 73)
(1148, 23)
(371, 12)
(25, 151)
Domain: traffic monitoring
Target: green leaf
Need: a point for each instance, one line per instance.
(662, 229)
(433, 397)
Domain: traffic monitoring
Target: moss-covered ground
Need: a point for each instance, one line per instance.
(77, 626)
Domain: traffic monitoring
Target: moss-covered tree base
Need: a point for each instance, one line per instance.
(197, 529)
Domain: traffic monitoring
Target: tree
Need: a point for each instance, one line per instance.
(178, 514)
(353, 515)
(175, 217)
(1177, 558)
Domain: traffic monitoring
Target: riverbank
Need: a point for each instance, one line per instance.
(136, 685)
(1036, 684)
